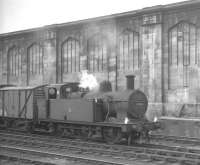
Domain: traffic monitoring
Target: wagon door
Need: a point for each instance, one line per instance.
(40, 103)
(25, 104)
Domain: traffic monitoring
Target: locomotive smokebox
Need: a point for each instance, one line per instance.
(130, 82)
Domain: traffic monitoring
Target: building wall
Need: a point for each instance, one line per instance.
(93, 39)
(18, 69)
(147, 45)
(181, 62)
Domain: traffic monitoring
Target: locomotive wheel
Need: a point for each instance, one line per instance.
(132, 138)
(84, 132)
(112, 135)
(20, 125)
(51, 128)
(4, 123)
(31, 127)
(59, 131)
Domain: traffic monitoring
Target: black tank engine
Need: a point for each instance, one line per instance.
(68, 110)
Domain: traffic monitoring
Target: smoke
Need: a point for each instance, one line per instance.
(88, 81)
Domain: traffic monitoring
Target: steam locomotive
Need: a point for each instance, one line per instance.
(68, 110)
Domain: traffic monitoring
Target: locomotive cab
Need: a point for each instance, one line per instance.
(65, 103)
(62, 91)
(65, 91)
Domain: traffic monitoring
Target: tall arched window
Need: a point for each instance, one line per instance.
(71, 55)
(97, 53)
(35, 59)
(183, 53)
(14, 61)
(1, 62)
(129, 50)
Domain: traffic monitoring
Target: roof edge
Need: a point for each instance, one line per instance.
(145, 10)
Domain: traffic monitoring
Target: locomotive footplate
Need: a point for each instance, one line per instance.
(110, 132)
(124, 127)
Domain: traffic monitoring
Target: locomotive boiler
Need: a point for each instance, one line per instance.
(126, 104)
(68, 110)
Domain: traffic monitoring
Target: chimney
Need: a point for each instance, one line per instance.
(130, 82)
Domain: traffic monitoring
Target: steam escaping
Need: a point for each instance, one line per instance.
(88, 81)
(126, 120)
(155, 119)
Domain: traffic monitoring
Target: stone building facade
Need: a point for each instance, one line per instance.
(160, 45)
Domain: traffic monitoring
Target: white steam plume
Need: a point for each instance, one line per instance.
(88, 81)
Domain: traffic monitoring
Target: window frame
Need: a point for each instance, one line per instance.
(135, 56)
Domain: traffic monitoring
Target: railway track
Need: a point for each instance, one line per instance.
(52, 158)
(186, 141)
(151, 154)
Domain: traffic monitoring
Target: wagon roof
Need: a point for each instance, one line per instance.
(6, 85)
(21, 87)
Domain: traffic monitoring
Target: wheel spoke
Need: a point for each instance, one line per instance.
(112, 135)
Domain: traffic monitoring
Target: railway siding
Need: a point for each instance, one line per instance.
(91, 150)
